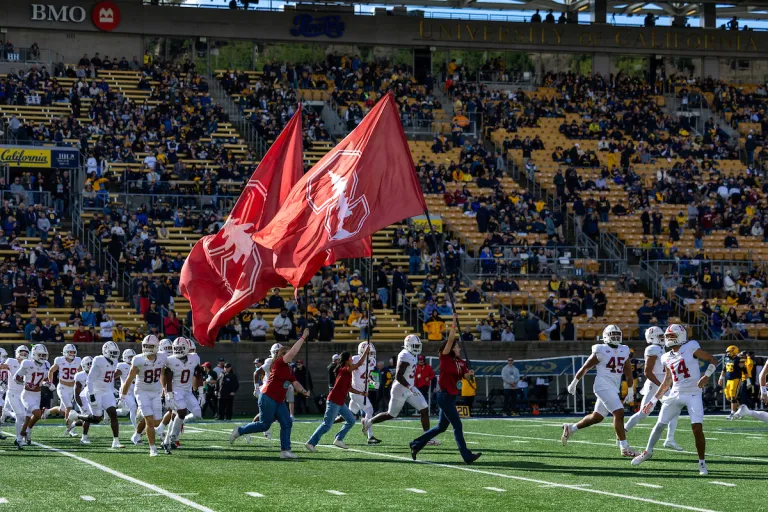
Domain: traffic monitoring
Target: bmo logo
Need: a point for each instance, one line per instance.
(106, 16)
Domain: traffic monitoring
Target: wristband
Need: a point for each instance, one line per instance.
(654, 400)
(710, 370)
(122, 397)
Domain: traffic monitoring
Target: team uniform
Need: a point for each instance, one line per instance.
(13, 397)
(360, 381)
(183, 373)
(82, 379)
(401, 394)
(147, 389)
(685, 391)
(129, 400)
(67, 372)
(33, 373)
(101, 385)
(610, 368)
(734, 371)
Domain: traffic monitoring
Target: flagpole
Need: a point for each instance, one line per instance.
(451, 297)
(306, 344)
(370, 328)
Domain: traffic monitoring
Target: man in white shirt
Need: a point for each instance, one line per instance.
(511, 377)
(282, 326)
(150, 160)
(258, 328)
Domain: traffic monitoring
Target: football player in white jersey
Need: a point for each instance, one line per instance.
(360, 379)
(33, 372)
(654, 374)
(182, 372)
(403, 389)
(67, 364)
(743, 410)
(147, 371)
(166, 347)
(682, 373)
(611, 360)
(15, 389)
(122, 371)
(101, 392)
(4, 376)
(81, 386)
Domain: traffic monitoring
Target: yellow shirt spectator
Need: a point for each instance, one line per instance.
(354, 316)
(469, 386)
(434, 329)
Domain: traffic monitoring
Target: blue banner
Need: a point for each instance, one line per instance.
(306, 25)
(65, 158)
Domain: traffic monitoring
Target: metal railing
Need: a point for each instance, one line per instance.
(477, 268)
(31, 56)
(611, 244)
(28, 197)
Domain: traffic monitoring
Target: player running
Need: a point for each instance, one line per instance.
(67, 364)
(403, 389)
(182, 369)
(33, 372)
(654, 374)
(682, 373)
(122, 371)
(15, 389)
(101, 392)
(360, 378)
(611, 359)
(758, 415)
(148, 367)
(3, 386)
(731, 377)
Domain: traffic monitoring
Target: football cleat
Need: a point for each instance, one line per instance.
(136, 438)
(366, 423)
(672, 445)
(730, 416)
(288, 454)
(234, 435)
(72, 417)
(629, 452)
(373, 440)
(310, 447)
(44, 414)
(18, 444)
(28, 438)
(71, 431)
(85, 440)
(703, 468)
(153, 451)
(646, 455)
(176, 445)
(740, 412)
(566, 434)
(166, 448)
(116, 444)
(414, 451)
(340, 444)
(433, 442)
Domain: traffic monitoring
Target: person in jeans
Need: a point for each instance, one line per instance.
(272, 400)
(335, 405)
(511, 376)
(452, 369)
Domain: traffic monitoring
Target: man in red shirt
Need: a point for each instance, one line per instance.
(81, 335)
(423, 377)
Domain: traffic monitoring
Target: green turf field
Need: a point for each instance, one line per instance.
(524, 467)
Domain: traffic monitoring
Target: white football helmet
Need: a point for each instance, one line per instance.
(274, 349)
(192, 346)
(361, 348)
(612, 335)
(39, 353)
(150, 344)
(675, 335)
(110, 350)
(22, 352)
(69, 351)
(166, 346)
(180, 347)
(86, 364)
(654, 336)
(3, 355)
(412, 344)
(128, 355)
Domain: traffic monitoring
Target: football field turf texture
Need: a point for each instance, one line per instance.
(524, 467)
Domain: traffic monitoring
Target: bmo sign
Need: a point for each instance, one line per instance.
(105, 15)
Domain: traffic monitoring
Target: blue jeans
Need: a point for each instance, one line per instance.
(448, 415)
(271, 411)
(384, 294)
(331, 411)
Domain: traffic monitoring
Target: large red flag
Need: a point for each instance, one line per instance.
(364, 184)
(227, 272)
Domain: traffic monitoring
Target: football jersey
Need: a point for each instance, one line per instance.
(33, 373)
(125, 370)
(266, 367)
(149, 372)
(82, 379)
(658, 368)
(684, 367)
(13, 367)
(610, 366)
(183, 370)
(67, 369)
(101, 378)
(359, 375)
(410, 360)
(732, 369)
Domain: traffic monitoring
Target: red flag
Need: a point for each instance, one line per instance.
(226, 273)
(364, 184)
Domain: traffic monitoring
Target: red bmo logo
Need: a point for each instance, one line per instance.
(106, 16)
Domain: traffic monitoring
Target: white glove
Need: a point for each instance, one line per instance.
(630, 396)
(51, 386)
(572, 386)
(764, 392)
(201, 399)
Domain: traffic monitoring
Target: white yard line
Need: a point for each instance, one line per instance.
(417, 491)
(650, 486)
(255, 494)
(336, 493)
(724, 484)
(87, 498)
(180, 494)
(3, 501)
(127, 478)
(494, 489)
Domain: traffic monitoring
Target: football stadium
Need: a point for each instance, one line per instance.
(419, 255)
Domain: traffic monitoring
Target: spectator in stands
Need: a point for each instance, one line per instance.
(282, 325)
(601, 303)
(325, 327)
(507, 335)
(152, 317)
(434, 327)
(485, 330)
(258, 328)
(171, 325)
(645, 314)
(106, 328)
(82, 335)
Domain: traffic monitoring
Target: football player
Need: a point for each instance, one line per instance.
(654, 374)
(360, 377)
(166, 347)
(15, 389)
(81, 395)
(33, 372)
(147, 371)
(731, 377)
(611, 360)
(67, 364)
(4, 375)
(682, 373)
(758, 415)
(101, 392)
(403, 389)
(122, 371)
(182, 370)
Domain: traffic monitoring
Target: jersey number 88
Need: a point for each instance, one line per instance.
(152, 376)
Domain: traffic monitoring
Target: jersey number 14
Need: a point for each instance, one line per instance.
(681, 369)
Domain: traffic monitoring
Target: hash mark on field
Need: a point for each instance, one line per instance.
(495, 489)
(336, 493)
(87, 498)
(652, 486)
(180, 494)
(725, 484)
(3, 501)
(216, 446)
(255, 494)
(417, 491)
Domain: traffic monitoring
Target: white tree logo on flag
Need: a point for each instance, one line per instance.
(345, 211)
(231, 251)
